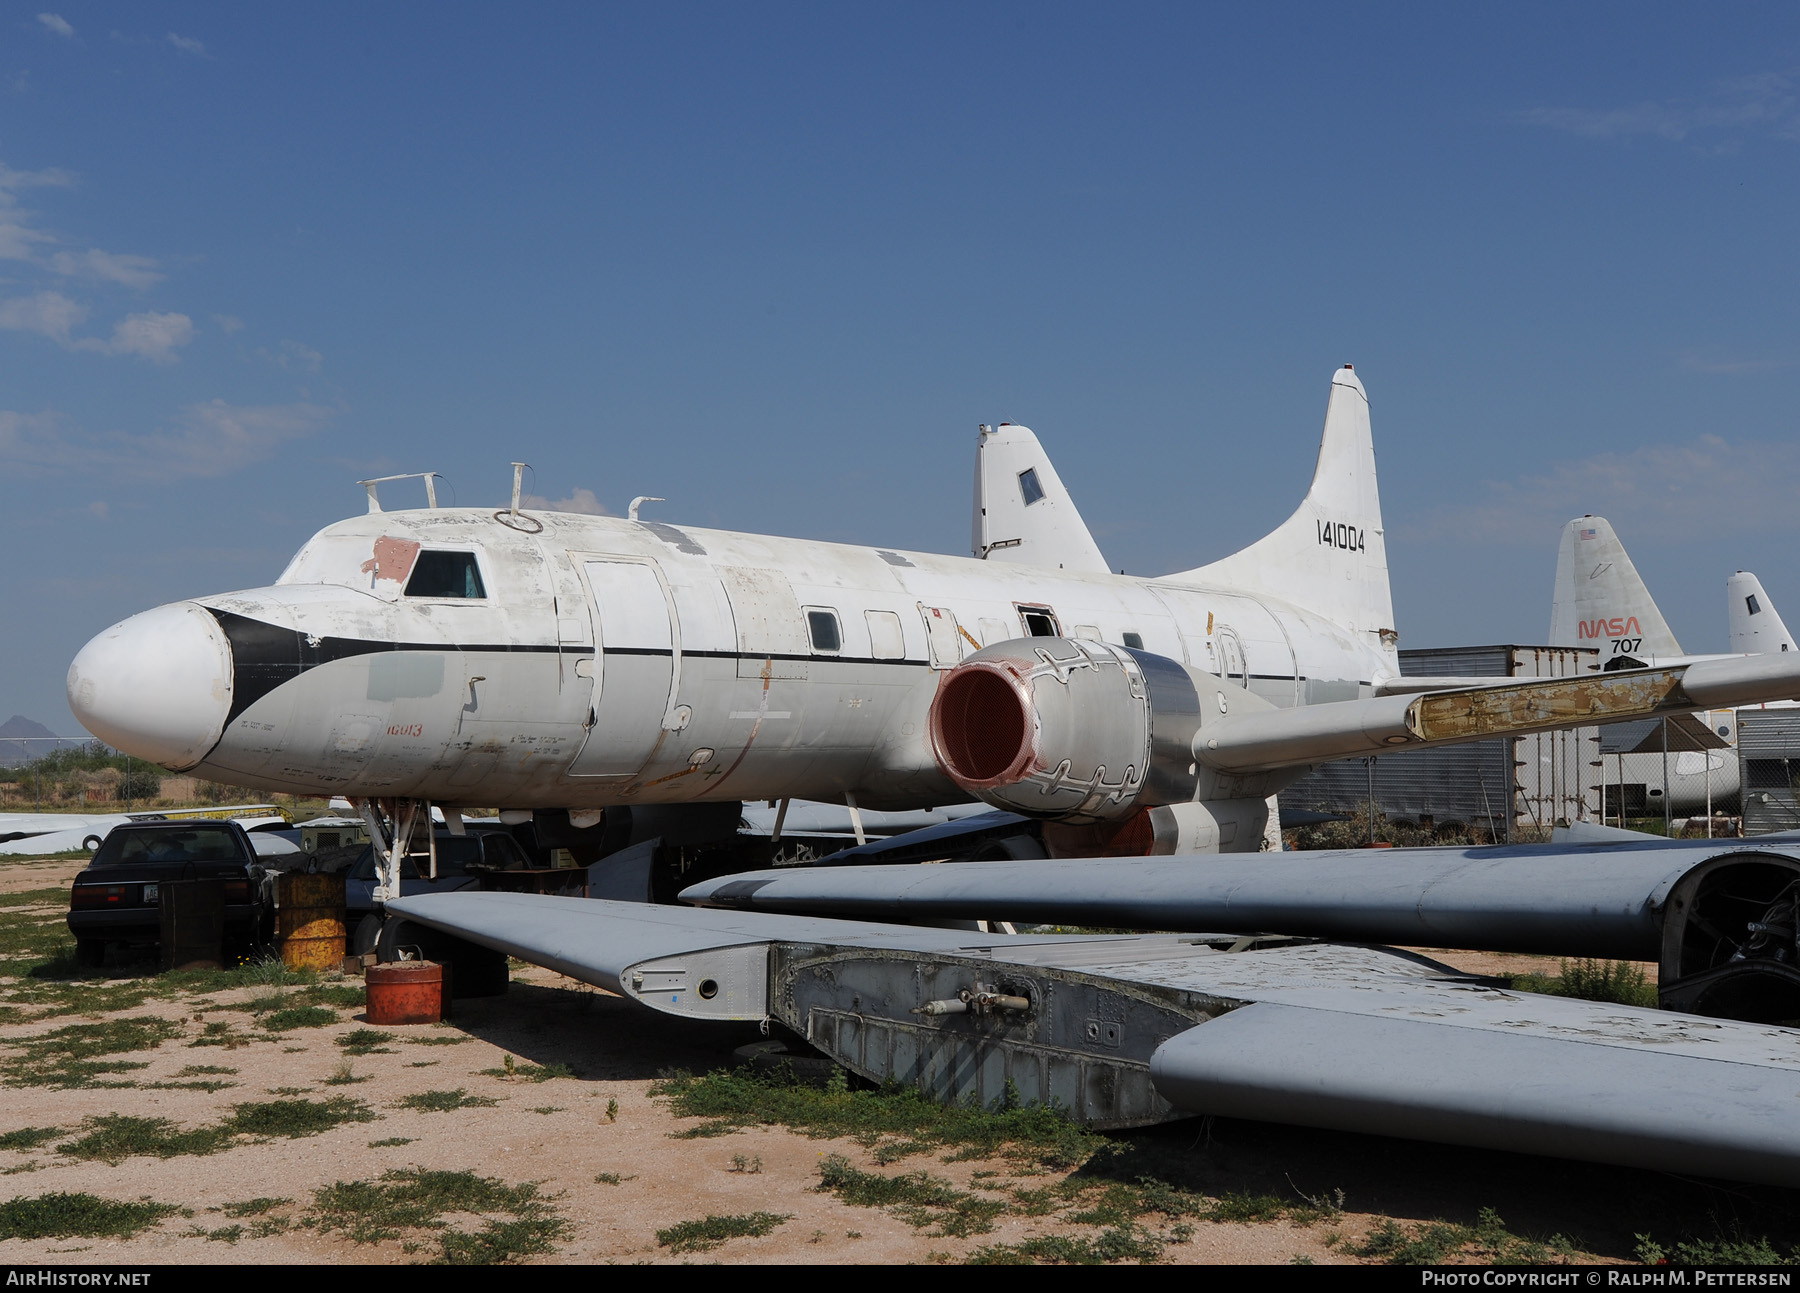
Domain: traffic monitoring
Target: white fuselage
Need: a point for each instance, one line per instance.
(612, 661)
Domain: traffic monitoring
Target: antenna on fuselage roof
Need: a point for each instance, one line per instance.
(639, 501)
(430, 478)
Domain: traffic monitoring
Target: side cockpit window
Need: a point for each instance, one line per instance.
(445, 574)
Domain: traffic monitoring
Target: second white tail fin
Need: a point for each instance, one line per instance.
(1330, 556)
(1022, 512)
(1601, 601)
(1755, 625)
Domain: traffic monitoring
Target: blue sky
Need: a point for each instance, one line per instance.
(776, 262)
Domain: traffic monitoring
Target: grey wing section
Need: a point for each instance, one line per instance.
(1128, 1030)
(1570, 1095)
(1594, 905)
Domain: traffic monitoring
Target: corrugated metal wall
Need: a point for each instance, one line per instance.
(1500, 786)
(1769, 750)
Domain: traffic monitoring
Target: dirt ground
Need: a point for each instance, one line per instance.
(559, 1133)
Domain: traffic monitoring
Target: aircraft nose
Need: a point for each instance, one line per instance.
(157, 685)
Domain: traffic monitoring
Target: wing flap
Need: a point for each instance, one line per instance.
(1570, 1097)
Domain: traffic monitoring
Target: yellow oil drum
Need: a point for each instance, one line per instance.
(309, 920)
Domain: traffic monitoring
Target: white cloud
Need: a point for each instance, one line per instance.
(51, 177)
(56, 24)
(187, 44)
(1766, 103)
(154, 336)
(579, 500)
(16, 240)
(203, 440)
(294, 356)
(131, 271)
(229, 324)
(49, 314)
(1661, 488)
(1730, 366)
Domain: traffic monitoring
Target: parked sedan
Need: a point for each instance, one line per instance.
(116, 899)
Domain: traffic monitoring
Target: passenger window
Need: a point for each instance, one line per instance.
(826, 636)
(1134, 640)
(1040, 622)
(886, 641)
(445, 574)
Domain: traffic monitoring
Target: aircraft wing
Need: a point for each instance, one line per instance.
(1129, 1030)
(1247, 742)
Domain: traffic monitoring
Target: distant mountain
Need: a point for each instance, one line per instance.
(17, 751)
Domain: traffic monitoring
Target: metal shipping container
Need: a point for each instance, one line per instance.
(1769, 754)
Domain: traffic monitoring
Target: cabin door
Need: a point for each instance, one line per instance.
(633, 668)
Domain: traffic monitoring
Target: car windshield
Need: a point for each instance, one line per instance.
(172, 844)
(454, 857)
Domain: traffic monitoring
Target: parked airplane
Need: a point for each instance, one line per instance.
(565, 664)
(1756, 626)
(1600, 601)
(559, 663)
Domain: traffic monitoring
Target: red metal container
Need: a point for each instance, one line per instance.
(405, 992)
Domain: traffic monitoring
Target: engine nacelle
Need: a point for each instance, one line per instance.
(1078, 731)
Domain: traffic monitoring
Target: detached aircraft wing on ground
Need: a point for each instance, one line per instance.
(1129, 1030)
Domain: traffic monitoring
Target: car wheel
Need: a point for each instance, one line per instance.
(90, 952)
(91, 844)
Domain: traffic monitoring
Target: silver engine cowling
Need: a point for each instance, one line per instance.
(1079, 732)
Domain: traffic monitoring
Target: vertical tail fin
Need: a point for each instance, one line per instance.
(1755, 625)
(1330, 556)
(1600, 600)
(1022, 512)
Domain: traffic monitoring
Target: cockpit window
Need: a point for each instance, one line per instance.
(445, 574)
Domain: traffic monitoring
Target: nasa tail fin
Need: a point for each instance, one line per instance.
(1600, 600)
(1023, 513)
(1755, 624)
(1330, 556)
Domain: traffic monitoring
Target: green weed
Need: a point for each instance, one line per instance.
(390, 1142)
(253, 1207)
(67, 1056)
(743, 1098)
(1720, 1251)
(365, 1041)
(529, 1072)
(282, 1021)
(443, 1101)
(114, 1137)
(1434, 1242)
(70, 1216)
(1115, 1245)
(919, 1199)
(710, 1232)
(1615, 982)
(28, 1137)
(294, 1118)
(416, 1200)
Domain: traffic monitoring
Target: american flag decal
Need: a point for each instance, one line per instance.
(1588, 534)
